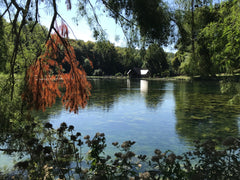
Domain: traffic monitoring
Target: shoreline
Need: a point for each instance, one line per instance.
(235, 78)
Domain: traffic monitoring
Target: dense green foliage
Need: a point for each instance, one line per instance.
(207, 40)
(207, 37)
(211, 28)
(216, 39)
(152, 18)
(107, 59)
(97, 58)
(3, 46)
(32, 43)
(156, 60)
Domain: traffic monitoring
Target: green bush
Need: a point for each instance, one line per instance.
(118, 74)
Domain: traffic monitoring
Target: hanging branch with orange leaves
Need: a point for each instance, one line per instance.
(43, 84)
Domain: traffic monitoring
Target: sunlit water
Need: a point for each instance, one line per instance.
(155, 114)
(127, 115)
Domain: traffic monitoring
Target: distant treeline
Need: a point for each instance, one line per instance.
(103, 58)
(207, 40)
(97, 58)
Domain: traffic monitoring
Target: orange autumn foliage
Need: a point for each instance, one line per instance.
(43, 86)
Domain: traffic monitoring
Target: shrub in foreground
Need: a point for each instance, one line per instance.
(61, 153)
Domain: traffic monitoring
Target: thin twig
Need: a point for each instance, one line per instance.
(53, 19)
(7, 10)
(65, 22)
(36, 16)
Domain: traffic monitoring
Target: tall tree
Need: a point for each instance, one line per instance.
(3, 46)
(184, 17)
(106, 56)
(222, 37)
(156, 60)
(149, 19)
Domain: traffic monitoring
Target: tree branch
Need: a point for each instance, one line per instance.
(7, 10)
(53, 19)
(17, 38)
(36, 16)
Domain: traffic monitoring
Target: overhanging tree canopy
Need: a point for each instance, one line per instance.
(140, 19)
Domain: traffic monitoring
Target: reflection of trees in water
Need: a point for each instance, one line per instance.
(105, 93)
(55, 109)
(154, 94)
(15, 137)
(203, 113)
(231, 86)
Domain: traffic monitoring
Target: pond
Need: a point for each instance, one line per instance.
(155, 114)
(168, 115)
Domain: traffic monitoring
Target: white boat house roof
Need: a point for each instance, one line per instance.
(144, 72)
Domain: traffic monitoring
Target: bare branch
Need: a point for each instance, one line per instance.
(17, 38)
(53, 19)
(7, 10)
(94, 13)
(36, 16)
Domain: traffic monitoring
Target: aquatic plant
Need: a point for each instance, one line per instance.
(59, 153)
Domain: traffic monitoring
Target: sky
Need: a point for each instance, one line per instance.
(82, 31)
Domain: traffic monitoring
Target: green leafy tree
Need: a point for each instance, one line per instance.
(106, 56)
(140, 18)
(205, 66)
(155, 60)
(129, 58)
(221, 37)
(190, 18)
(176, 64)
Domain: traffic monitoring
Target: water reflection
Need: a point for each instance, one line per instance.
(14, 139)
(128, 83)
(105, 93)
(143, 86)
(153, 93)
(155, 114)
(120, 110)
(202, 112)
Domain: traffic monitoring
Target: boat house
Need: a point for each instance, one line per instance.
(138, 73)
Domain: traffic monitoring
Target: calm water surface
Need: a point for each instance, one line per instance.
(155, 114)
